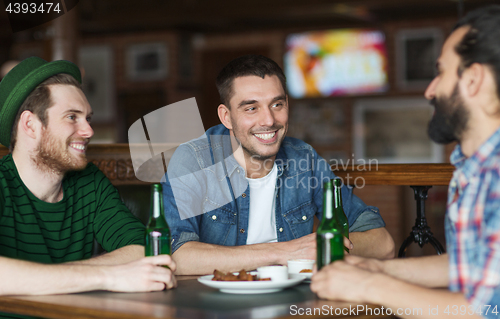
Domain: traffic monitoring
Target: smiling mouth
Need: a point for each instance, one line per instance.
(78, 146)
(265, 136)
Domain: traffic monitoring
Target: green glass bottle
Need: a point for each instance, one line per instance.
(338, 208)
(157, 230)
(329, 238)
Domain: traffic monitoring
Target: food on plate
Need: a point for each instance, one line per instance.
(305, 270)
(242, 276)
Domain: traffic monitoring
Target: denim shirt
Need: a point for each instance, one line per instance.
(207, 196)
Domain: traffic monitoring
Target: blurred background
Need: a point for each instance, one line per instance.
(356, 72)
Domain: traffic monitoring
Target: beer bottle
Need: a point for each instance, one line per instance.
(329, 238)
(157, 231)
(339, 209)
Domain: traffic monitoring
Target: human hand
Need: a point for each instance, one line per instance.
(341, 280)
(145, 274)
(300, 248)
(348, 243)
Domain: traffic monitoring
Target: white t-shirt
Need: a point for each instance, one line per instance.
(262, 215)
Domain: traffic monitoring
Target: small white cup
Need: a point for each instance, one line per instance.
(276, 273)
(296, 265)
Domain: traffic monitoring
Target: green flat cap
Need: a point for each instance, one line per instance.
(20, 82)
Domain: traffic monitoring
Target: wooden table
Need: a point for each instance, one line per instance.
(189, 300)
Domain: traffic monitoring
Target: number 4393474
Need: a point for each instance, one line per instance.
(25, 7)
(485, 309)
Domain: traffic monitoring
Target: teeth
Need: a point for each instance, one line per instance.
(78, 146)
(266, 136)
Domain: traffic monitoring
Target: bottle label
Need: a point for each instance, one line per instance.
(326, 248)
(157, 243)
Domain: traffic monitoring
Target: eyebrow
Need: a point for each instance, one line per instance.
(250, 102)
(78, 112)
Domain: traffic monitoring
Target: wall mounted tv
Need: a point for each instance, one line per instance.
(336, 63)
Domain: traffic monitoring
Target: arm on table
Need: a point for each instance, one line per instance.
(20, 277)
(196, 258)
(375, 243)
(119, 256)
(427, 271)
(367, 286)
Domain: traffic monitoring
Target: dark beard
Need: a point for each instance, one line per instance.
(50, 157)
(450, 118)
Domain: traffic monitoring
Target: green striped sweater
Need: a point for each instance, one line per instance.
(34, 230)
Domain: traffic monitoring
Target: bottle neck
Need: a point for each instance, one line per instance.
(337, 203)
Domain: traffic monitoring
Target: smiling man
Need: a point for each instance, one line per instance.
(53, 204)
(244, 195)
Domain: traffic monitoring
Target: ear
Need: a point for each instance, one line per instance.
(225, 116)
(29, 124)
(473, 79)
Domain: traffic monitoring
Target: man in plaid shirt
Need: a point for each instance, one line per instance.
(466, 97)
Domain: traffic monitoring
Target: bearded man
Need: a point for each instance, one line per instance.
(466, 97)
(53, 204)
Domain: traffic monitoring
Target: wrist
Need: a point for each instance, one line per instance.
(103, 277)
(373, 290)
(276, 253)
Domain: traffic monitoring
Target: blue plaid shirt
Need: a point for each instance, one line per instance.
(473, 227)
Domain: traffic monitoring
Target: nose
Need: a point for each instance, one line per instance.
(86, 130)
(430, 92)
(266, 117)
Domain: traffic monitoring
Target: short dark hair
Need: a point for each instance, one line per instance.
(246, 65)
(481, 44)
(39, 101)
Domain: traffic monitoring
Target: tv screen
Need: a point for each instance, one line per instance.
(335, 63)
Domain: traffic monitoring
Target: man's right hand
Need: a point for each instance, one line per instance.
(300, 248)
(304, 248)
(145, 274)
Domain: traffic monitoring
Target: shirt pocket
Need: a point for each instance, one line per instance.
(216, 226)
(301, 219)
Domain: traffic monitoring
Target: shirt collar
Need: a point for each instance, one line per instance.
(470, 166)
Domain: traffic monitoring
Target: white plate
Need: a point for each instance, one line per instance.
(249, 287)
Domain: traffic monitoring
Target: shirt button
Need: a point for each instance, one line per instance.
(214, 217)
(243, 195)
(242, 230)
(238, 170)
(304, 217)
(281, 229)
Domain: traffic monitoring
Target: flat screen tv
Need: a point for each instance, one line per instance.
(336, 63)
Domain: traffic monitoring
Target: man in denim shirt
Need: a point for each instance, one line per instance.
(466, 97)
(215, 223)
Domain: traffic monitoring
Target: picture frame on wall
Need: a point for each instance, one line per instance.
(394, 131)
(147, 61)
(98, 81)
(417, 51)
(98, 85)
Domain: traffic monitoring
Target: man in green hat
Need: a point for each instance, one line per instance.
(53, 204)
